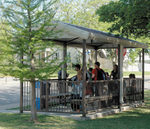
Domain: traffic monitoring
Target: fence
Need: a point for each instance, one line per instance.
(106, 96)
(133, 90)
(66, 96)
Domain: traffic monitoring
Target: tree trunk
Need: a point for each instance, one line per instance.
(33, 102)
(92, 58)
(33, 99)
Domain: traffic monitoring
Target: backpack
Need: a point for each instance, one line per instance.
(100, 74)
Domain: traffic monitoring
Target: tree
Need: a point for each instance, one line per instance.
(129, 17)
(28, 23)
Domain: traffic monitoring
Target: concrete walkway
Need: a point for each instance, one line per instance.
(3, 109)
(9, 106)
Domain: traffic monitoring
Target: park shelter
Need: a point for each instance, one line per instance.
(86, 38)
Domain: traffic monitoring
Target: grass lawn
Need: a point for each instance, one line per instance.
(138, 118)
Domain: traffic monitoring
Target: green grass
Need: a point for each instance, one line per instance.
(136, 73)
(137, 118)
(17, 108)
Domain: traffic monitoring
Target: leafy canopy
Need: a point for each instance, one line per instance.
(129, 17)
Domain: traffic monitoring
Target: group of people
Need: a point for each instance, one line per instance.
(91, 75)
(97, 73)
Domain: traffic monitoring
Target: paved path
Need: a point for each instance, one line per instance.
(9, 91)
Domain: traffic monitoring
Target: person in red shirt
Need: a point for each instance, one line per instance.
(94, 71)
(97, 74)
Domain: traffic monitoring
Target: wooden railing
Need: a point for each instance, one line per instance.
(66, 96)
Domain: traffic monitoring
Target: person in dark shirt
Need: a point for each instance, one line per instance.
(114, 72)
(107, 76)
(132, 82)
(97, 74)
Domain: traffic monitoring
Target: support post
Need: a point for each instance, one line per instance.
(21, 89)
(120, 60)
(143, 75)
(21, 97)
(41, 100)
(95, 54)
(64, 70)
(84, 80)
(47, 97)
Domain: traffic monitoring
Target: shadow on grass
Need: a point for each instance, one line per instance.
(134, 119)
(22, 121)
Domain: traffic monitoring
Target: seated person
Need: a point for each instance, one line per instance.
(107, 76)
(132, 82)
(114, 72)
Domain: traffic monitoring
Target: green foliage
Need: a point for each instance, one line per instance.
(25, 24)
(132, 56)
(111, 54)
(129, 17)
(82, 13)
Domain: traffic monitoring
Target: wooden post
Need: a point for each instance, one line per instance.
(143, 75)
(21, 97)
(120, 55)
(84, 80)
(21, 90)
(47, 97)
(118, 61)
(64, 71)
(41, 100)
(95, 54)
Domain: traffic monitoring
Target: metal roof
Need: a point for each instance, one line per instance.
(73, 36)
